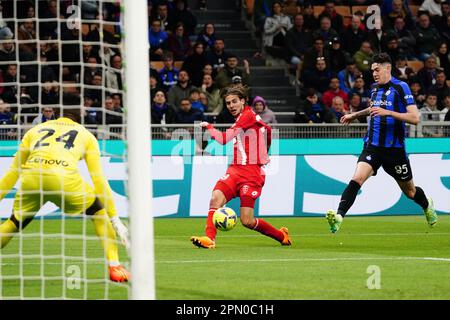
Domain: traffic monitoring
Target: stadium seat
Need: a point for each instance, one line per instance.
(359, 8)
(416, 65)
(318, 10)
(158, 65)
(344, 11)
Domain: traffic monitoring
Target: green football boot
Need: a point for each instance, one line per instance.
(334, 220)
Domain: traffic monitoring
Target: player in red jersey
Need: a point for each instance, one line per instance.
(245, 176)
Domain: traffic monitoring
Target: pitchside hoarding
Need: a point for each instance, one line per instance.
(304, 178)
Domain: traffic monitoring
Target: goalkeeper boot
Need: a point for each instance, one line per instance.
(287, 239)
(203, 242)
(334, 220)
(118, 274)
(430, 213)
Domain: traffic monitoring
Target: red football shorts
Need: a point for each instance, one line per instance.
(243, 181)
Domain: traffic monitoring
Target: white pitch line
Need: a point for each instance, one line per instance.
(329, 235)
(303, 260)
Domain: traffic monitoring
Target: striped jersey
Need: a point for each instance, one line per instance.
(385, 131)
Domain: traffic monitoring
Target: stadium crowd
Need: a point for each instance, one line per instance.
(329, 55)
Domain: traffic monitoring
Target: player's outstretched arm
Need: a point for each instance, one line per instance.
(220, 137)
(348, 118)
(10, 178)
(104, 193)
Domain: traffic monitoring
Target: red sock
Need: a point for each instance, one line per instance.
(211, 230)
(268, 230)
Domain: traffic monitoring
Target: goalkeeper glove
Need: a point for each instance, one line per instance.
(121, 230)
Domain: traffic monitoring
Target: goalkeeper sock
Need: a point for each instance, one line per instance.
(268, 230)
(105, 231)
(211, 230)
(348, 197)
(7, 229)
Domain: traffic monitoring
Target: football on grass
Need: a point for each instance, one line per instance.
(224, 219)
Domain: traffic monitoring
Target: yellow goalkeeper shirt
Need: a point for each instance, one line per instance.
(54, 148)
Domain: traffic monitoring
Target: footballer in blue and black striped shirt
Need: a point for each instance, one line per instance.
(391, 106)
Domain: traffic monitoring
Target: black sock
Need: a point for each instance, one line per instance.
(420, 198)
(348, 197)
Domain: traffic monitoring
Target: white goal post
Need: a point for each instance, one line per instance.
(137, 95)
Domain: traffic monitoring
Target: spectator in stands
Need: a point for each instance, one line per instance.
(360, 89)
(339, 108)
(194, 98)
(356, 105)
(297, 41)
(113, 75)
(225, 76)
(334, 91)
(318, 77)
(401, 70)
(426, 37)
(377, 37)
(433, 7)
(162, 14)
(337, 21)
(427, 75)
(9, 94)
(161, 111)
(168, 74)
(325, 30)
(398, 10)
(47, 114)
(27, 31)
(96, 92)
(338, 56)
(217, 56)
(50, 93)
(318, 50)
(440, 22)
(91, 68)
(348, 75)
(440, 88)
(89, 9)
(417, 92)
(406, 40)
(447, 111)
(109, 115)
(259, 105)
(353, 36)
(180, 91)
(158, 41)
(311, 22)
(430, 112)
(7, 118)
(212, 94)
(179, 43)
(275, 29)
(187, 114)
(7, 51)
(363, 57)
(49, 28)
(442, 57)
(195, 63)
(311, 110)
(89, 51)
(207, 36)
(182, 14)
(392, 48)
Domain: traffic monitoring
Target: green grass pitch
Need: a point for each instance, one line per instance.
(412, 261)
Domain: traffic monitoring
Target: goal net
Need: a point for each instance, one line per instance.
(56, 55)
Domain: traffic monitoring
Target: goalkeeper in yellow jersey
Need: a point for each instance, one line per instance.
(47, 164)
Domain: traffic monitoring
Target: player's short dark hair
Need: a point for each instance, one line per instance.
(71, 112)
(236, 90)
(381, 57)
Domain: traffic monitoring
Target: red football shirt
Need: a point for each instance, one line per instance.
(251, 138)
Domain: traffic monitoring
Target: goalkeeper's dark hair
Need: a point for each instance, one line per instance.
(381, 58)
(235, 90)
